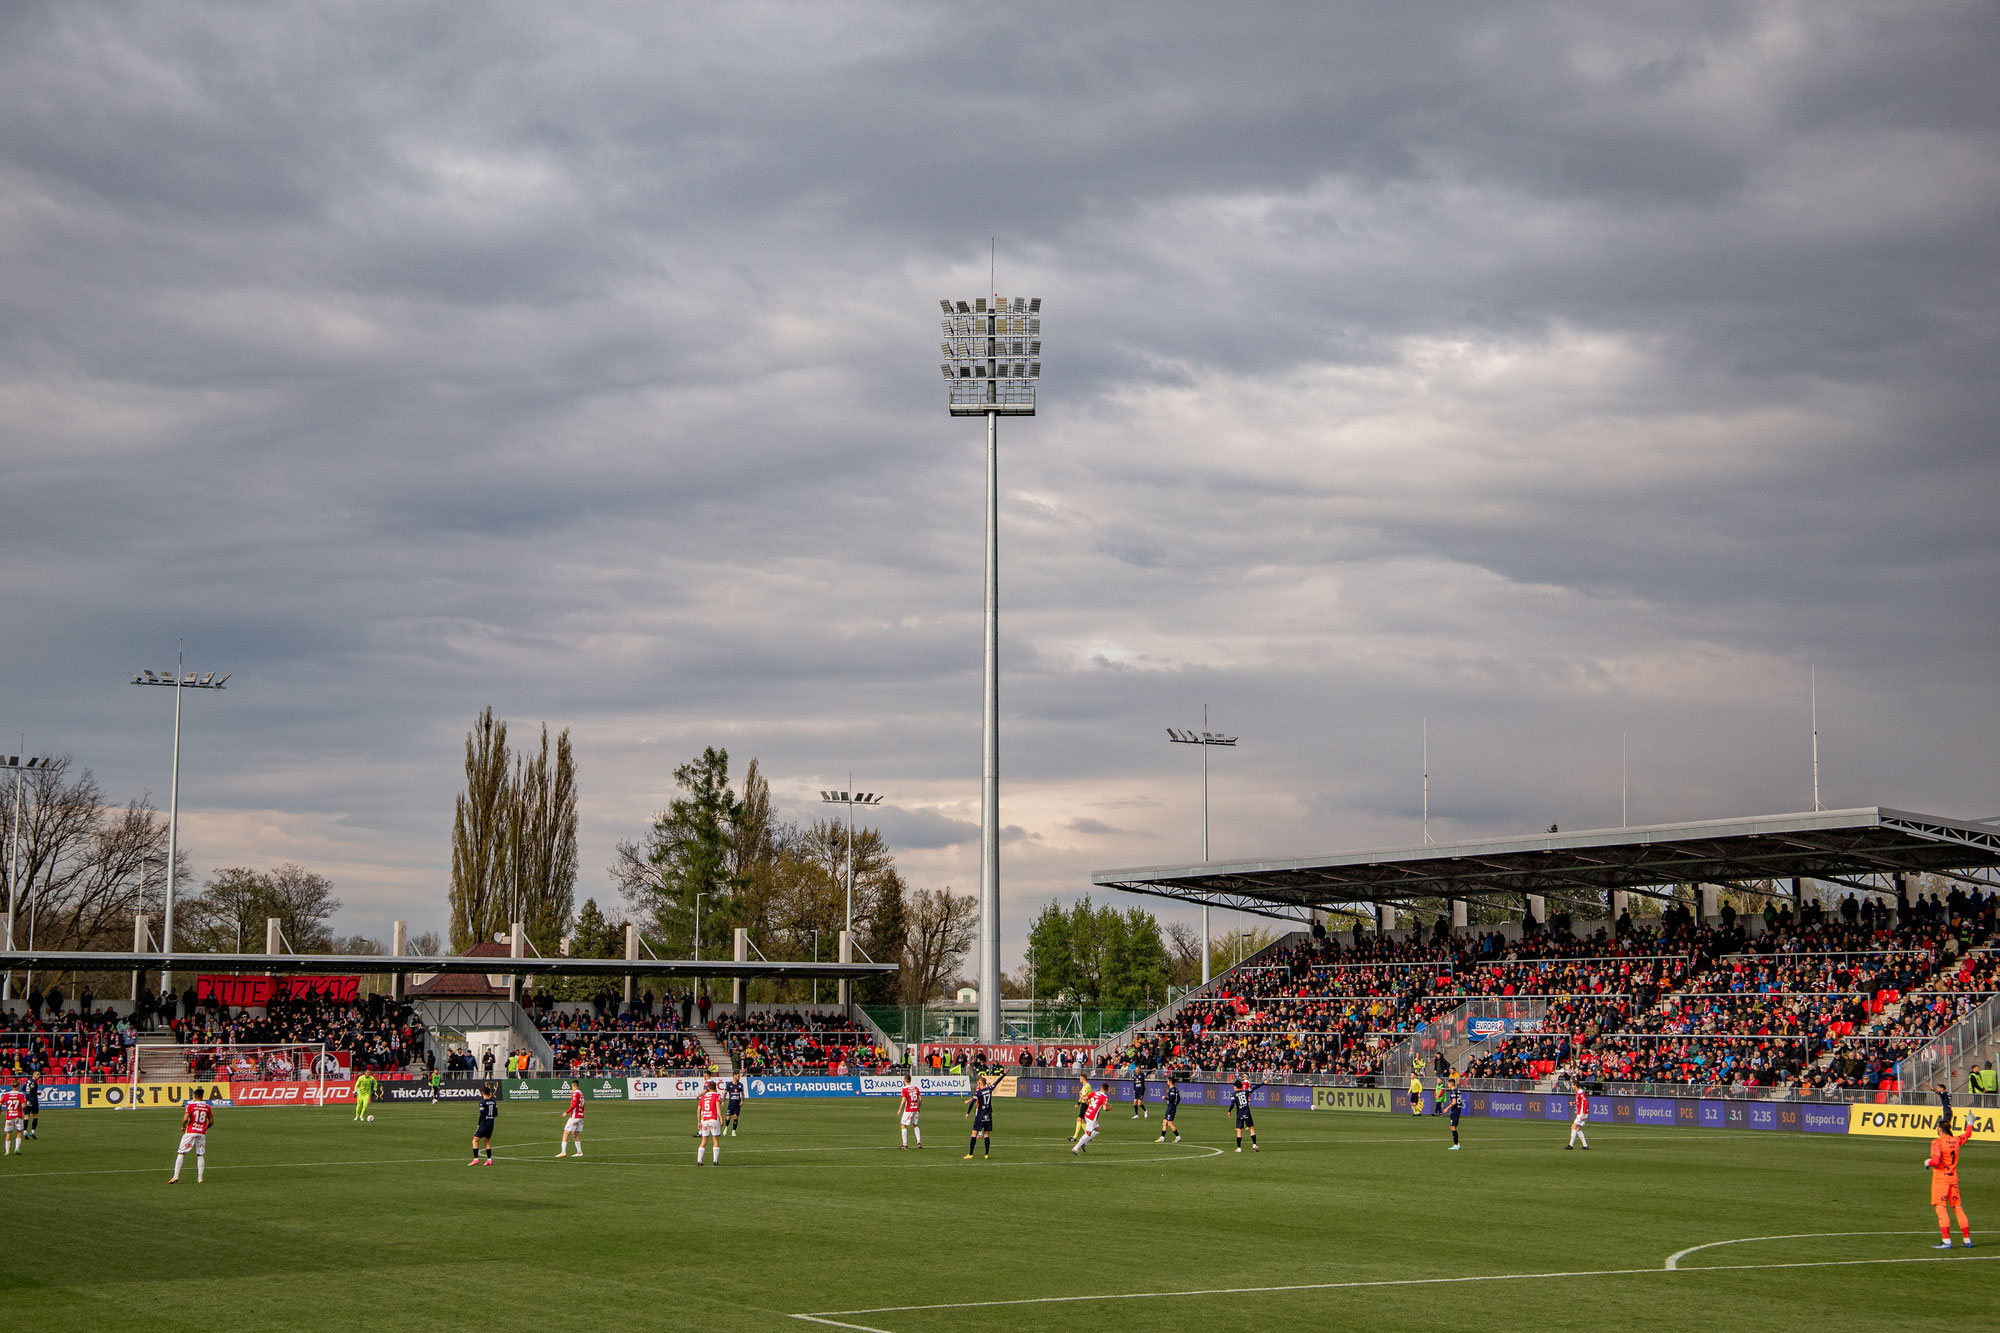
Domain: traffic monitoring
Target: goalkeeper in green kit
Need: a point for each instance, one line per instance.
(364, 1093)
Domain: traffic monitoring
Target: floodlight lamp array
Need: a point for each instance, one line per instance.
(992, 350)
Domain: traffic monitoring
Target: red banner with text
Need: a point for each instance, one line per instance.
(255, 991)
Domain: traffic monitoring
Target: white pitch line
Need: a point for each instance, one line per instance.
(1674, 1260)
(823, 1316)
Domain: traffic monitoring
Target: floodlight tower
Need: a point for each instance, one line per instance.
(1205, 739)
(993, 360)
(181, 679)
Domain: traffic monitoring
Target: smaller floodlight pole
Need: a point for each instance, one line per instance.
(849, 798)
(1205, 738)
(182, 679)
(1812, 681)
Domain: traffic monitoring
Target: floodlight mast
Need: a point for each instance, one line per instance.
(993, 363)
(183, 679)
(1205, 739)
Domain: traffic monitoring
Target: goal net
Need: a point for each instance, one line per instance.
(289, 1063)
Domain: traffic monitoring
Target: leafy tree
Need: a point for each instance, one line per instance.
(481, 834)
(542, 842)
(691, 850)
(596, 935)
(1098, 957)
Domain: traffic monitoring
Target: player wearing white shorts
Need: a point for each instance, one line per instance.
(708, 1129)
(13, 1117)
(1582, 1108)
(1091, 1110)
(573, 1122)
(912, 1098)
(196, 1116)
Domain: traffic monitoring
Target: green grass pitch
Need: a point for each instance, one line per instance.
(310, 1221)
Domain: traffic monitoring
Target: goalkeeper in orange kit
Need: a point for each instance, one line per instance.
(1943, 1165)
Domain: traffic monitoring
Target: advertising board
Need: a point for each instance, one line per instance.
(1350, 1099)
(287, 1094)
(831, 1085)
(684, 1088)
(114, 1096)
(928, 1085)
(1915, 1122)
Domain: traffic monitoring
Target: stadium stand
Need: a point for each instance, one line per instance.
(1827, 998)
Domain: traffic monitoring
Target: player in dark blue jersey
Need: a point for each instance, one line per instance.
(980, 1107)
(489, 1111)
(1168, 1111)
(1239, 1106)
(32, 1112)
(732, 1098)
(1138, 1092)
(1454, 1110)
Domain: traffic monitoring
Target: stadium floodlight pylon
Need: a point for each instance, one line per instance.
(1205, 739)
(992, 365)
(180, 680)
(224, 1062)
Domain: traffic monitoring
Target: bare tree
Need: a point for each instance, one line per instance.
(1183, 953)
(942, 926)
(236, 902)
(83, 861)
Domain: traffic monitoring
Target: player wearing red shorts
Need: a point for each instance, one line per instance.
(13, 1118)
(1943, 1166)
(1092, 1109)
(911, 1106)
(196, 1116)
(708, 1127)
(573, 1122)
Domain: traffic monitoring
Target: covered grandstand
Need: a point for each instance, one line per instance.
(1864, 992)
(1870, 850)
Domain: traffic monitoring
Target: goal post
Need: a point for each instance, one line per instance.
(213, 1062)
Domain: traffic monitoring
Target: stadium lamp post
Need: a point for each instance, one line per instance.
(992, 365)
(850, 798)
(182, 679)
(1207, 740)
(18, 765)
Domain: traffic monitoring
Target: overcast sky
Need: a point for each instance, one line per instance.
(1554, 374)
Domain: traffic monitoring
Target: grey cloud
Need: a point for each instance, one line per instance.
(1548, 373)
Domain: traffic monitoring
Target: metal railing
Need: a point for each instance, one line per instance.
(1950, 1054)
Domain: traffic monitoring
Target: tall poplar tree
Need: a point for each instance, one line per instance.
(481, 836)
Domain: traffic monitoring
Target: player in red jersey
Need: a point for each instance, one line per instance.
(196, 1116)
(912, 1096)
(708, 1114)
(573, 1121)
(1581, 1105)
(13, 1116)
(1092, 1109)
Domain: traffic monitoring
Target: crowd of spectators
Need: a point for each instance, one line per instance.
(378, 1034)
(640, 1040)
(1821, 996)
(65, 1044)
(797, 1042)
